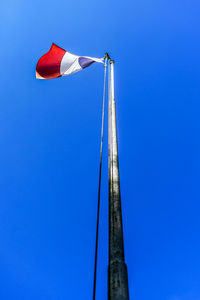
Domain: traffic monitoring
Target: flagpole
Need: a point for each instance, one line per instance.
(117, 269)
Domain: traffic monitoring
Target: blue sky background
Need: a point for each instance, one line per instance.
(50, 139)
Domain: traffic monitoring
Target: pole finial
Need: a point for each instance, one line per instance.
(107, 55)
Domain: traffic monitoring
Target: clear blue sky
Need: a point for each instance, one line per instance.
(50, 138)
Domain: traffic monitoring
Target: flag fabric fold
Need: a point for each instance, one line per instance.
(57, 62)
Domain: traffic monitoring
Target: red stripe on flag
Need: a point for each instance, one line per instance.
(48, 65)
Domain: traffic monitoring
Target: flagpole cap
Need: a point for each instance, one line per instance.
(111, 61)
(107, 55)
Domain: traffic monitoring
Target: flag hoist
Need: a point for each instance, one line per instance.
(57, 63)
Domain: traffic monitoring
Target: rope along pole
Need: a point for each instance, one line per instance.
(99, 189)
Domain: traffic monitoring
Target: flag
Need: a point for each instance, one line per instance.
(58, 62)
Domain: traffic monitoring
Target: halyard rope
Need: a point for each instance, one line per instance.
(99, 189)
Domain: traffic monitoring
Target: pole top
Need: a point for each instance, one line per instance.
(107, 55)
(111, 61)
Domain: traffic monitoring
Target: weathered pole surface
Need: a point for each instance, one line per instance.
(117, 270)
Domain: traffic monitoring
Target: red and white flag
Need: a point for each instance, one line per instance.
(58, 62)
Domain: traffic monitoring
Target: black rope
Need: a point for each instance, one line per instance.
(99, 189)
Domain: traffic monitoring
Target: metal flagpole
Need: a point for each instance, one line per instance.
(117, 270)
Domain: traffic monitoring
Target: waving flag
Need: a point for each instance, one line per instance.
(58, 62)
